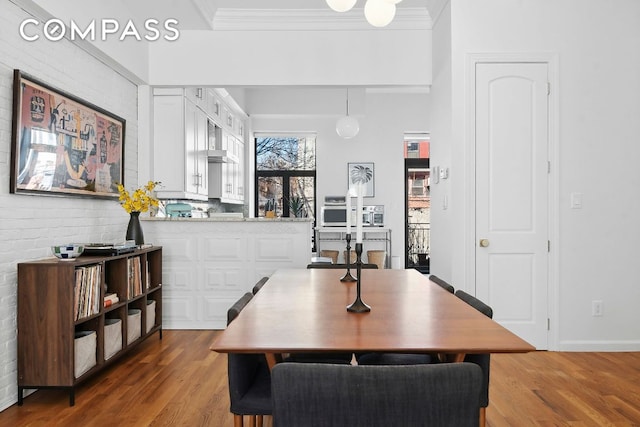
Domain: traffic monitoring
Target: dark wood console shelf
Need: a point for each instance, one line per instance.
(50, 314)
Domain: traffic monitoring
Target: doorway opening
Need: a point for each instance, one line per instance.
(417, 202)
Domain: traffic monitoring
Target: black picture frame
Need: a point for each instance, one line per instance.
(63, 145)
(364, 171)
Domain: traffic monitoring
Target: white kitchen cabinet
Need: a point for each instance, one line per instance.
(239, 172)
(181, 140)
(226, 179)
(214, 106)
(198, 95)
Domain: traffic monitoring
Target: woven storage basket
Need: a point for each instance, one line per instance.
(112, 337)
(133, 324)
(330, 254)
(376, 257)
(85, 351)
(151, 314)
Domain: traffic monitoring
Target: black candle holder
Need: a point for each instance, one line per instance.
(358, 305)
(347, 276)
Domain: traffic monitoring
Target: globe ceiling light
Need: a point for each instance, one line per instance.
(341, 5)
(347, 126)
(393, 1)
(379, 13)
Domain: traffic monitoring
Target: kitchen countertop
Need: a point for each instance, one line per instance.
(225, 219)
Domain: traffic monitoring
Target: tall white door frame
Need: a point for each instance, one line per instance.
(470, 173)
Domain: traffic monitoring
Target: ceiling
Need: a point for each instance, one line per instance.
(210, 14)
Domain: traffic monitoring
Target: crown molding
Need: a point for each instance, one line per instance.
(207, 11)
(435, 8)
(231, 19)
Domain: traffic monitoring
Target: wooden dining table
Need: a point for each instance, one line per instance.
(305, 310)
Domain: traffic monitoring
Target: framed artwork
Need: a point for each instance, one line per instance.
(362, 173)
(62, 145)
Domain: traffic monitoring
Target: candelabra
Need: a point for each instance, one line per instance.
(358, 306)
(347, 276)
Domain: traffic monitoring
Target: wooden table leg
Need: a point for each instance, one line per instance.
(272, 359)
(457, 357)
(451, 357)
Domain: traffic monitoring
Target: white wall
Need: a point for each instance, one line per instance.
(130, 53)
(441, 218)
(384, 119)
(597, 148)
(29, 225)
(300, 58)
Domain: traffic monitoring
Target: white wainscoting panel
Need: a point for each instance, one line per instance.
(209, 263)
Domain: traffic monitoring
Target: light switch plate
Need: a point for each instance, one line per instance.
(576, 200)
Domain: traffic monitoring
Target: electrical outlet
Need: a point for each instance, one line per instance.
(596, 308)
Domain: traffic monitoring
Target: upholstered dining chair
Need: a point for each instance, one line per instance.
(441, 283)
(377, 358)
(249, 379)
(320, 395)
(237, 307)
(482, 360)
(259, 284)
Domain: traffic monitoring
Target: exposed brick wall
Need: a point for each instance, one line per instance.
(29, 225)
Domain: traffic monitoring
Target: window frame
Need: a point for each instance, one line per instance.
(284, 174)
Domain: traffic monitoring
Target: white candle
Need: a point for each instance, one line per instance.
(359, 214)
(349, 211)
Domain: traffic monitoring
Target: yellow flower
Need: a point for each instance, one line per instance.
(140, 199)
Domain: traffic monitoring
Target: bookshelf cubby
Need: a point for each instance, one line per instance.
(52, 301)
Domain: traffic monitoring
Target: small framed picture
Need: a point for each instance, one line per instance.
(362, 173)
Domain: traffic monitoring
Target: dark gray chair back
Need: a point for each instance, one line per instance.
(475, 303)
(249, 376)
(435, 279)
(237, 307)
(259, 285)
(482, 360)
(321, 395)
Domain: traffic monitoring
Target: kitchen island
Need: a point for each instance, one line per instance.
(209, 263)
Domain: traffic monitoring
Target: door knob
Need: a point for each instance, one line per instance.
(484, 243)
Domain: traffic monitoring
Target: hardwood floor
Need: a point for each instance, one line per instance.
(178, 381)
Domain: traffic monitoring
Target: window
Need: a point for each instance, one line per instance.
(417, 202)
(285, 175)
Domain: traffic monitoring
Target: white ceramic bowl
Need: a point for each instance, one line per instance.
(67, 252)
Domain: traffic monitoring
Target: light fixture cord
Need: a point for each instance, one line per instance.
(347, 102)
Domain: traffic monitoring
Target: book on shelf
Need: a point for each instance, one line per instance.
(110, 299)
(148, 278)
(87, 291)
(134, 285)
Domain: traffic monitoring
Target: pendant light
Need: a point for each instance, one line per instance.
(341, 5)
(347, 126)
(379, 13)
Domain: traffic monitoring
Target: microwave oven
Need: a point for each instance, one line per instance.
(336, 216)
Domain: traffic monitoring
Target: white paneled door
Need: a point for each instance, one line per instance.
(512, 195)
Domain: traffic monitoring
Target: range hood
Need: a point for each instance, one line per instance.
(221, 156)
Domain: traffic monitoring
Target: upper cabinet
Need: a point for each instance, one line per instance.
(226, 169)
(192, 127)
(180, 148)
